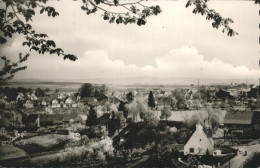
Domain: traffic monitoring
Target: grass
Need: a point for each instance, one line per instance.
(11, 152)
(47, 141)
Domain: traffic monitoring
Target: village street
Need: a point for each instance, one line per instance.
(239, 160)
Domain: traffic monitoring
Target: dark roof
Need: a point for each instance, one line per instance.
(57, 118)
(30, 118)
(119, 114)
(238, 117)
(104, 118)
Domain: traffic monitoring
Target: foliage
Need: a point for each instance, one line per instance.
(91, 90)
(253, 162)
(16, 18)
(130, 97)
(182, 135)
(166, 113)
(123, 108)
(134, 12)
(10, 118)
(201, 7)
(179, 94)
(94, 150)
(39, 92)
(136, 107)
(11, 93)
(94, 132)
(92, 117)
(151, 101)
(193, 161)
(151, 119)
(86, 90)
(9, 68)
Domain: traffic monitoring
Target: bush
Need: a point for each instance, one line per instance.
(253, 162)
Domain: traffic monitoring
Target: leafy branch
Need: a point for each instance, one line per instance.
(9, 68)
(201, 7)
(135, 12)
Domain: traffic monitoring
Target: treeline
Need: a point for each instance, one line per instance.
(12, 93)
(92, 90)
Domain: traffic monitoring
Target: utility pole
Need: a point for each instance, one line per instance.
(246, 82)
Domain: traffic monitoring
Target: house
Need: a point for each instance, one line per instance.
(74, 104)
(242, 123)
(32, 96)
(115, 99)
(69, 101)
(238, 123)
(56, 119)
(224, 94)
(43, 102)
(80, 104)
(256, 120)
(3, 97)
(28, 104)
(20, 97)
(104, 98)
(48, 110)
(55, 103)
(199, 143)
(62, 104)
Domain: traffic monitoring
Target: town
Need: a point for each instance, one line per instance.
(96, 126)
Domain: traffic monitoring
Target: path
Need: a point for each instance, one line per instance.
(239, 160)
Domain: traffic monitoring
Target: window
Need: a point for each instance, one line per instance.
(191, 150)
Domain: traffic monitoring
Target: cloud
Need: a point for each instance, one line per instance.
(183, 62)
(187, 62)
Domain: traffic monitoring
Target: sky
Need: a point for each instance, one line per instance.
(174, 44)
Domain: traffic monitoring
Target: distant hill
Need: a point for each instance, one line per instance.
(72, 85)
(141, 80)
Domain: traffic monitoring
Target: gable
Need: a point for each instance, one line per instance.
(199, 139)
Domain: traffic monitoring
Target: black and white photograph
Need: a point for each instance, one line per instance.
(130, 83)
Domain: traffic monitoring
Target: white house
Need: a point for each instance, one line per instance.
(74, 104)
(20, 97)
(28, 104)
(71, 102)
(55, 103)
(63, 105)
(48, 110)
(43, 102)
(32, 96)
(199, 143)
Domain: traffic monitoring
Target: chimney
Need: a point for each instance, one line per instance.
(198, 126)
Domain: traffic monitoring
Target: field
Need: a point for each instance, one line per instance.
(11, 156)
(46, 141)
(74, 86)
